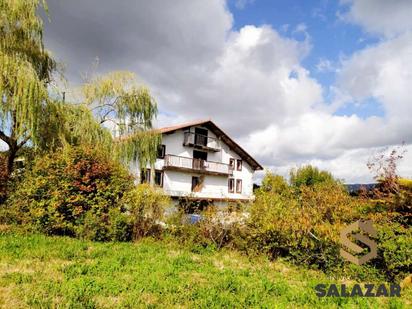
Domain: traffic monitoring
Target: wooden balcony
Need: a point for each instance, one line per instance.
(201, 141)
(173, 162)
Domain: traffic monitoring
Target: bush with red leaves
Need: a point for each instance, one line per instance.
(57, 193)
(392, 193)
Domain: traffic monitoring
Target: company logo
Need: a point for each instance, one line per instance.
(358, 231)
(367, 290)
(365, 227)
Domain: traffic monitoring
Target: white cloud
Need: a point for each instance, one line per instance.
(251, 81)
(383, 17)
(301, 28)
(325, 65)
(350, 166)
(383, 71)
(241, 4)
(342, 144)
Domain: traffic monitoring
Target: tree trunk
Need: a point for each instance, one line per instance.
(11, 155)
(7, 167)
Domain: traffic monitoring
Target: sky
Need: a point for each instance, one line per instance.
(294, 82)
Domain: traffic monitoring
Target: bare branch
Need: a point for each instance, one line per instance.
(103, 118)
(110, 119)
(102, 105)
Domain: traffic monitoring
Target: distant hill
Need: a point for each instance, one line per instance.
(353, 188)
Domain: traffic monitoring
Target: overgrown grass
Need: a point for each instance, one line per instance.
(43, 272)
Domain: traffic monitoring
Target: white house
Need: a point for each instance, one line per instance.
(199, 161)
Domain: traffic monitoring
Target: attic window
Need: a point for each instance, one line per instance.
(239, 165)
(232, 163)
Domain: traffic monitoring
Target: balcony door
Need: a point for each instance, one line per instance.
(200, 137)
(199, 158)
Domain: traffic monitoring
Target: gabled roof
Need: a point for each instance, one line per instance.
(220, 134)
(183, 125)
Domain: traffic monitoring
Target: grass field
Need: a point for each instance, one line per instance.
(43, 272)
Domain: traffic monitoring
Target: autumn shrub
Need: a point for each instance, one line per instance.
(392, 196)
(69, 192)
(303, 227)
(146, 206)
(403, 201)
(215, 228)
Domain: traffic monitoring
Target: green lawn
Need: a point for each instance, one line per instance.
(43, 272)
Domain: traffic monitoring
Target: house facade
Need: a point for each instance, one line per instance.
(198, 160)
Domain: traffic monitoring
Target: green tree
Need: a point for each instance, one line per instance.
(111, 103)
(309, 175)
(117, 101)
(30, 115)
(274, 183)
(26, 69)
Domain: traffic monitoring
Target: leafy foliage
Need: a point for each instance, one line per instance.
(274, 183)
(393, 195)
(26, 69)
(72, 124)
(304, 227)
(146, 206)
(29, 113)
(67, 189)
(395, 250)
(116, 99)
(309, 175)
(214, 229)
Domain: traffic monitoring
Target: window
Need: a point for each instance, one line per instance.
(238, 185)
(145, 176)
(201, 155)
(161, 151)
(158, 178)
(200, 137)
(232, 163)
(239, 165)
(231, 185)
(195, 184)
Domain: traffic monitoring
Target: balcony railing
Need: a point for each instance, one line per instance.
(197, 165)
(201, 141)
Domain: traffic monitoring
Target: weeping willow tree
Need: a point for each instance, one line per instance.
(25, 70)
(28, 114)
(115, 113)
(120, 104)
